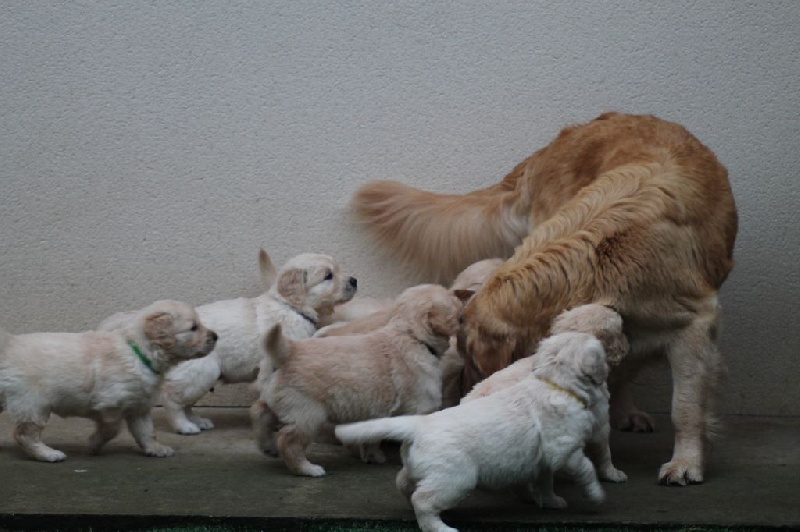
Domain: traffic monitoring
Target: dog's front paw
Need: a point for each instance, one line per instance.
(187, 429)
(551, 501)
(595, 493)
(158, 450)
(50, 455)
(612, 474)
(203, 423)
(680, 473)
(312, 470)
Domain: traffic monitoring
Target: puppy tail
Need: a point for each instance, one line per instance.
(438, 235)
(276, 346)
(401, 428)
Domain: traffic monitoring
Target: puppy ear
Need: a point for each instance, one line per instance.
(292, 286)
(593, 364)
(464, 295)
(442, 320)
(268, 271)
(158, 329)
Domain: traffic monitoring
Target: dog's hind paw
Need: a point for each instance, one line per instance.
(680, 473)
(612, 474)
(187, 429)
(203, 423)
(158, 450)
(51, 455)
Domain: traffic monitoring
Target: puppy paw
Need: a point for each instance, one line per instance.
(372, 454)
(50, 455)
(187, 429)
(612, 474)
(552, 501)
(595, 493)
(312, 470)
(203, 423)
(158, 450)
(680, 473)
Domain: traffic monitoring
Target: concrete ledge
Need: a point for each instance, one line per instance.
(219, 477)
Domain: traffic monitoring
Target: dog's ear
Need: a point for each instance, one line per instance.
(464, 295)
(292, 286)
(267, 269)
(443, 321)
(158, 329)
(592, 363)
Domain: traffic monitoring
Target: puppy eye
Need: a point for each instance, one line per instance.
(194, 327)
(329, 275)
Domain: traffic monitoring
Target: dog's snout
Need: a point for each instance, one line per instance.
(213, 336)
(353, 282)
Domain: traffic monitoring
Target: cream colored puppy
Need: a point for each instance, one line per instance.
(390, 371)
(304, 293)
(464, 285)
(516, 437)
(105, 376)
(606, 325)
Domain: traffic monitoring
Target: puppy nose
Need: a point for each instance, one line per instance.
(353, 282)
(213, 335)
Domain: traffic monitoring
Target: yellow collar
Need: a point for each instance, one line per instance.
(567, 391)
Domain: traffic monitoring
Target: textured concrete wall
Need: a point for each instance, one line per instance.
(148, 149)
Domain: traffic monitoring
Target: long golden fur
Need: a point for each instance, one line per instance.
(627, 210)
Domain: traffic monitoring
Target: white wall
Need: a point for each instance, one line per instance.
(148, 149)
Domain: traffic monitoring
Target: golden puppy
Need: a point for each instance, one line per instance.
(630, 210)
(105, 376)
(322, 381)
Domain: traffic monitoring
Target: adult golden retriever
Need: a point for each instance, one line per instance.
(627, 210)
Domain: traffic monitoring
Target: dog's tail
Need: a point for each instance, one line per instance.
(276, 346)
(438, 235)
(401, 428)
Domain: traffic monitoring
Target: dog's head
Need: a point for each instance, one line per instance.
(572, 359)
(174, 331)
(599, 320)
(429, 311)
(474, 275)
(313, 284)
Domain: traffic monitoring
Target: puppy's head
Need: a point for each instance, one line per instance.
(175, 332)
(572, 359)
(313, 284)
(429, 311)
(599, 320)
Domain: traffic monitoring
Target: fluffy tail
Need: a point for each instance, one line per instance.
(438, 235)
(400, 428)
(276, 346)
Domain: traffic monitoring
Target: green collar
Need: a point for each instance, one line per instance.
(146, 361)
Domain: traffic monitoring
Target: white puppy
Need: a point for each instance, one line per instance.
(516, 437)
(303, 295)
(105, 376)
(319, 381)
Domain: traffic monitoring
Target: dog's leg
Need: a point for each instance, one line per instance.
(580, 468)
(434, 495)
(405, 484)
(696, 366)
(186, 384)
(371, 453)
(29, 436)
(107, 428)
(625, 415)
(600, 453)
(292, 445)
(141, 427)
(265, 423)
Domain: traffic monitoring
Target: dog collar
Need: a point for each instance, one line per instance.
(146, 361)
(311, 320)
(567, 391)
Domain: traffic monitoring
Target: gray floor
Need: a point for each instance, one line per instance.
(753, 480)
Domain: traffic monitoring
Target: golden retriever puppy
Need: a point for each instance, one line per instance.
(514, 438)
(109, 377)
(463, 287)
(298, 296)
(630, 210)
(605, 325)
(322, 381)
